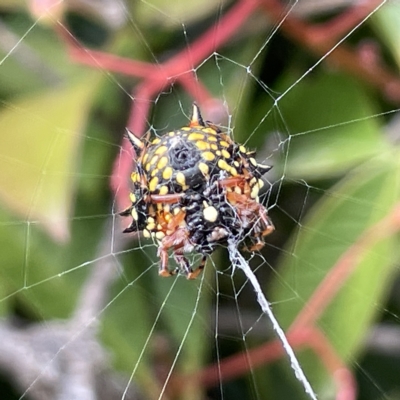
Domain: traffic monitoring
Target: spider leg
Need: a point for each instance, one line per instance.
(163, 268)
(268, 225)
(194, 274)
(165, 198)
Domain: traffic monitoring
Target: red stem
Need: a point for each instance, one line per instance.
(344, 267)
(211, 40)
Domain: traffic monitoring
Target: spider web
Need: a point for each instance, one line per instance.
(314, 314)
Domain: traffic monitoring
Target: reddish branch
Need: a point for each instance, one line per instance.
(304, 331)
(311, 337)
(325, 41)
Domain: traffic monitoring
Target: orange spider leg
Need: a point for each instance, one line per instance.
(165, 198)
(248, 209)
(178, 239)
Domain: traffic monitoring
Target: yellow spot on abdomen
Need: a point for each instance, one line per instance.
(153, 184)
(210, 214)
(146, 233)
(161, 150)
(180, 178)
(253, 161)
(196, 136)
(208, 156)
(134, 214)
(222, 164)
(225, 153)
(209, 130)
(162, 163)
(167, 173)
(223, 143)
(132, 197)
(202, 145)
(163, 190)
(203, 167)
(160, 235)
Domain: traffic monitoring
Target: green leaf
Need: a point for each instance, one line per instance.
(161, 13)
(386, 21)
(333, 226)
(185, 316)
(329, 119)
(39, 148)
(326, 125)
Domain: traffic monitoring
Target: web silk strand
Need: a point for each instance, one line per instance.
(238, 261)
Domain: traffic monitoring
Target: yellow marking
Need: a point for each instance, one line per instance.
(205, 204)
(161, 150)
(204, 169)
(154, 172)
(233, 171)
(146, 233)
(180, 178)
(254, 192)
(253, 181)
(264, 166)
(211, 138)
(159, 227)
(238, 190)
(167, 173)
(156, 141)
(242, 149)
(208, 156)
(209, 130)
(153, 160)
(151, 226)
(135, 177)
(132, 197)
(186, 128)
(196, 136)
(150, 220)
(202, 145)
(225, 154)
(145, 157)
(253, 161)
(222, 164)
(162, 163)
(171, 134)
(218, 152)
(167, 217)
(185, 187)
(210, 214)
(236, 164)
(134, 214)
(163, 189)
(223, 143)
(147, 167)
(160, 235)
(159, 206)
(214, 146)
(176, 210)
(153, 184)
(260, 183)
(167, 209)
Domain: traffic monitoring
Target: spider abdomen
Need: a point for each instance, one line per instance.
(195, 188)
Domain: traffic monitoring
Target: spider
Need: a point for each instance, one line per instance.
(194, 189)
